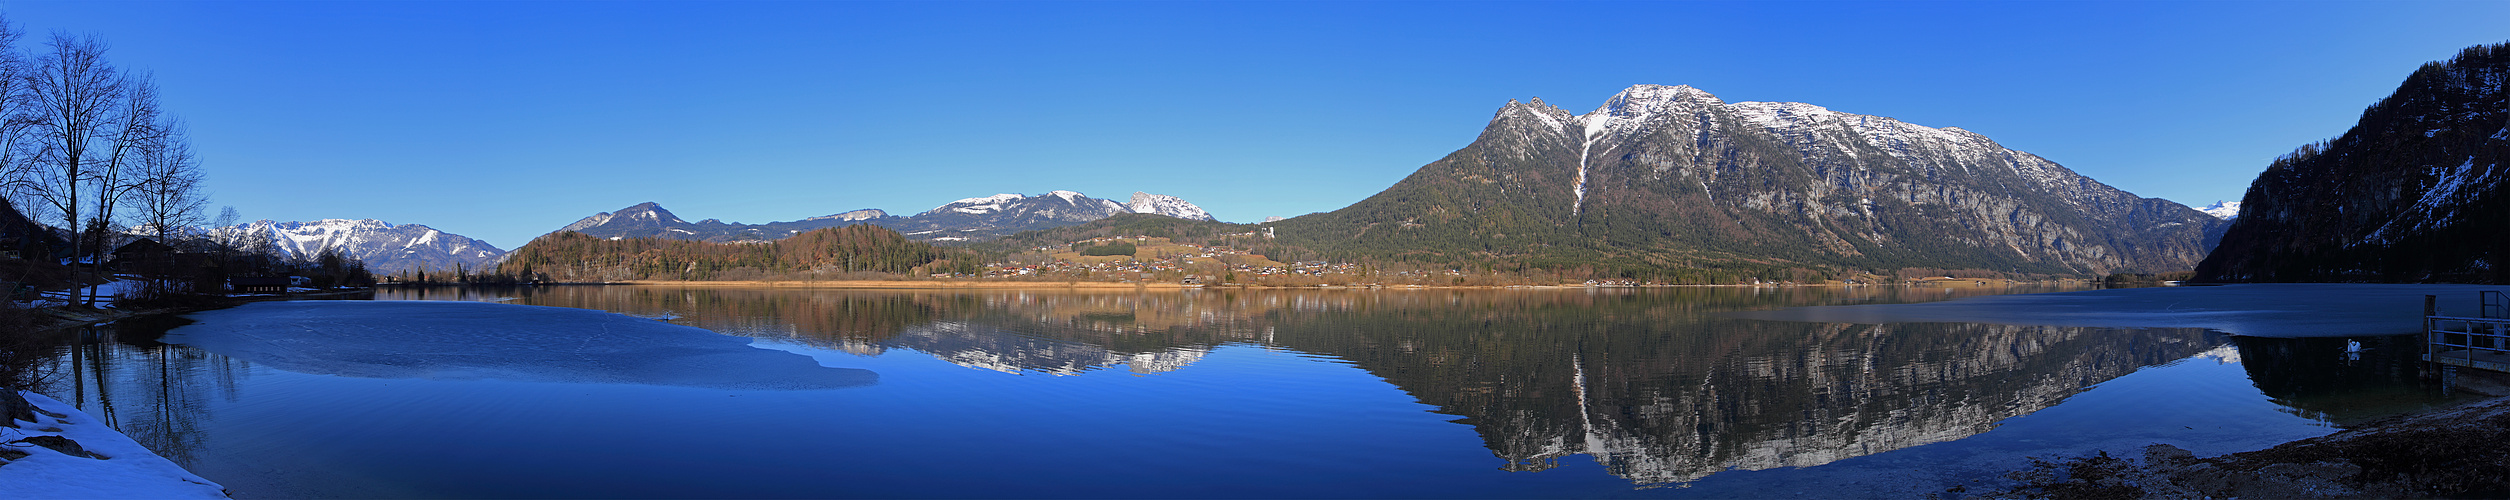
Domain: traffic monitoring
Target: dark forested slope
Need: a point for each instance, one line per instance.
(2414, 192)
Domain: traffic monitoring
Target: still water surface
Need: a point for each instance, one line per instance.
(1215, 393)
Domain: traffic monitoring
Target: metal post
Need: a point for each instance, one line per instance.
(2448, 378)
(2431, 307)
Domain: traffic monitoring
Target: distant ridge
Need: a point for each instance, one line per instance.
(980, 218)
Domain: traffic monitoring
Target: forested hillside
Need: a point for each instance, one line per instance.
(858, 251)
(1198, 232)
(2414, 192)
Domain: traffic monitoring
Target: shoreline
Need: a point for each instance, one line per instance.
(2437, 453)
(60, 318)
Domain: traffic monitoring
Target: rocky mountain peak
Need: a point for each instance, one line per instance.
(384, 247)
(647, 213)
(1675, 169)
(855, 215)
(1160, 204)
(2226, 210)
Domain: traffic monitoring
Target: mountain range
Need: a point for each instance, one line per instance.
(963, 220)
(2418, 189)
(1671, 177)
(384, 247)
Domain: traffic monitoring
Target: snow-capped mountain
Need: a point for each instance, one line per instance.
(1056, 205)
(972, 218)
(1146, 203)
(1670, 175)
(1003, 214)
(2225, 210)
(647, 217)
(1069, 205)
(864, 214)
(384, 247)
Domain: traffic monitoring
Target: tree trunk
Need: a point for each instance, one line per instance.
(14, 407)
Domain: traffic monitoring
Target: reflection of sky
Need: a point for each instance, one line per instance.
(2263, 310)
(466, 340)
(1248, 421)
(1243, 419)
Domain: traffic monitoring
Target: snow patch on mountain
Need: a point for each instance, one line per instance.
(979, 206)
(647, 211)
(864, 214)
(1070, 206)
(2225, 210)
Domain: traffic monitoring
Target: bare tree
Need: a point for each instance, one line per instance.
(136, 133)
(166, 191)
(16, 174)
(72, 93)
(220, 233)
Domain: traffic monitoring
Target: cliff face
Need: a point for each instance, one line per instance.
(2412, 193)
(1673, 176)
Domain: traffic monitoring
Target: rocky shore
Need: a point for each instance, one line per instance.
(2463, 451)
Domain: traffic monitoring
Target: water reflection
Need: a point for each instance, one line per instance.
(156, 393)
(2341, 380)
(1646, 382)
(1650, 383)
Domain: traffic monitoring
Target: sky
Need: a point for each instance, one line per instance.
(504, 120)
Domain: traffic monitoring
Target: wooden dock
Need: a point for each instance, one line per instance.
(2479, 343)
(2472, 358)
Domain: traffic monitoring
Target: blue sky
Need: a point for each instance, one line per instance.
(505, 120)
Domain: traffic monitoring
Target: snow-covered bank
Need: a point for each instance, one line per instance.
(2261, 310)
(94, 462)
(476, 340)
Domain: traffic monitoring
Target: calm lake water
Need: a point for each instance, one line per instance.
(1198, 393)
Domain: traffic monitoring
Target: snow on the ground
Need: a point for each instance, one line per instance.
(127, 470)
(106, 294)
(477, 340)
(2261, 310)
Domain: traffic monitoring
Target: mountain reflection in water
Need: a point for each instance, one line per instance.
(1250, 393)
(1644, 381)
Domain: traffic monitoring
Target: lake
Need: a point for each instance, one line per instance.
(656, 391)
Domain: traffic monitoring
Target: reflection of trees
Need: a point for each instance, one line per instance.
(1649, 382)
(156, 393)
(2325, 378)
